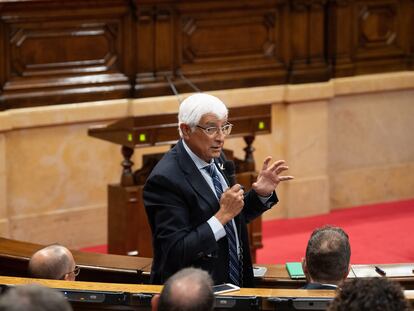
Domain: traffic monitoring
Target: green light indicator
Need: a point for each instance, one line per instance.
(129, 138)
(142, 137)
(261, 125)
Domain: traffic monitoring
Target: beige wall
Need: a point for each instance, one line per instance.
(371, 148)
(347, 141)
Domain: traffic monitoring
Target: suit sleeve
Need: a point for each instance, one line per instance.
(253, 206)
(170, 208)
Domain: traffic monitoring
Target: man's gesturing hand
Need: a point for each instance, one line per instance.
(269, 178)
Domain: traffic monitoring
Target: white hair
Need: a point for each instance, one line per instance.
(194, 107)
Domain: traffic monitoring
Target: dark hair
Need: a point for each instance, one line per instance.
(54, 267)
(375, 294)
(189, 289)
(328, 254)
(33, 298)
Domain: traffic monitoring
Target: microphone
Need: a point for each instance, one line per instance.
(230, 170)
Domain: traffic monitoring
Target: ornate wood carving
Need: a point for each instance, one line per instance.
(377, 29)
(308, 61)
(58, 52)
(374, 39)
(339, 46)
(70, 50)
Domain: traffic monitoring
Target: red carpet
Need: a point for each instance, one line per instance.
(380, 233)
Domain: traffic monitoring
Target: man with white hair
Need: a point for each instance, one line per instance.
(195, 217)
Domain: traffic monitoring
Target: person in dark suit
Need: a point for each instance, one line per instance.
(327, 261)
(197, 219)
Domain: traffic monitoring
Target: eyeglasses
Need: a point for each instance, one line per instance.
(214, 130)
(74, 271)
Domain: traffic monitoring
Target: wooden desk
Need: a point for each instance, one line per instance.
(131, 291)
(138, 297)
(15, 255)
(278, 277)
(14, 258)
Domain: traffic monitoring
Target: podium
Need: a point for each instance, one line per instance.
(129, 232)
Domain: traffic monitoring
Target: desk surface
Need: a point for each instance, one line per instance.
(14, 256)
(277, 276)
(140, 288)
(14, 248)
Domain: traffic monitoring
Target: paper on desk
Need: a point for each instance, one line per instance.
(391, 270)
(259, 272)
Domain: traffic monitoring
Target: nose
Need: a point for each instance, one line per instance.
(219, 134)
(220, 138)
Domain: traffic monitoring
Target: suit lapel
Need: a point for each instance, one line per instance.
(194, 177)
(219, 164)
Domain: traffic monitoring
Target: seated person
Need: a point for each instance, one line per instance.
(327, 261)
(189, 289)
(53, 262)
(33, 298)
(374, 294)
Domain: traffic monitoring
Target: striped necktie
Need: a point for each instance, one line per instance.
(234, 264)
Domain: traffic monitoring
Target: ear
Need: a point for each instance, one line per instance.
(186, 130)
(305, 269)
(69, 277)
(304, 266)
(154, 302)
(346, 274)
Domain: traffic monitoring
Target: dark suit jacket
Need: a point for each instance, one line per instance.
(178, 202)
(319, 286)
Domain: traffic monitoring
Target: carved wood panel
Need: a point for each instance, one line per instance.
(73, 50)
(87, 48)
(369, 36)
(378, 32)
(307, 41)
(339, 47)
(215, 44)
(55, 52)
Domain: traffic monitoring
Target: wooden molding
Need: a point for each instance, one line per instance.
(83, 50)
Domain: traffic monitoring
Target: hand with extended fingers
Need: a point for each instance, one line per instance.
(269, 177)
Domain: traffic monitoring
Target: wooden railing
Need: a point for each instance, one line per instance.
(14, 258)
(109, 296)
(15, 255)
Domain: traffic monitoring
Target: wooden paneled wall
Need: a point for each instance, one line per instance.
(54, 52)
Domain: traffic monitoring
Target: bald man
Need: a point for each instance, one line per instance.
(187, 290)
(53, 262)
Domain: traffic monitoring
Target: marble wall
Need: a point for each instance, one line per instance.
(347, 142)
(371, 148)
